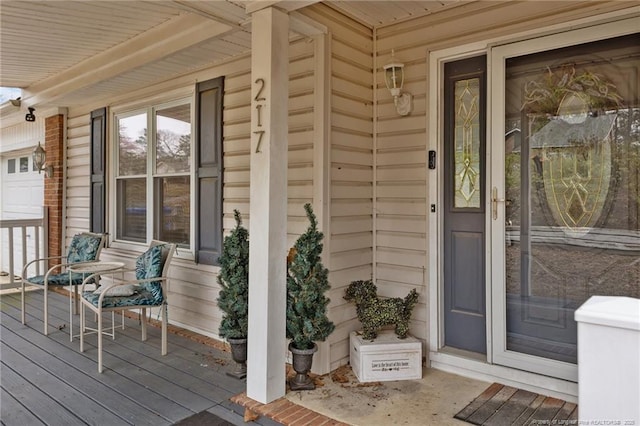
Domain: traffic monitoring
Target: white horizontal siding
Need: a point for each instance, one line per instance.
(76, 175)
(401, 257)
(351, 168)
(193, 289)
(395, 203)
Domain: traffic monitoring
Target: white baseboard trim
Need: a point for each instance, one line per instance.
(544, 385)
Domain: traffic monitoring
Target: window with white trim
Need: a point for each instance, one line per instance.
(153, 174)
(166, 173)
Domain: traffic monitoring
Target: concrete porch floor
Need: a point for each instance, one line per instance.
(339, 396)
(433, 400)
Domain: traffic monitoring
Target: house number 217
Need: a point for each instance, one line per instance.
(260, 100)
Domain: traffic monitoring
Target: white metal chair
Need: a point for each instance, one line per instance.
(148, 290)
(84, 247)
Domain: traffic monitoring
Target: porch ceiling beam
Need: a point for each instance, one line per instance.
(305, 26)
(191, 6)
(286, 5)
(159, 42)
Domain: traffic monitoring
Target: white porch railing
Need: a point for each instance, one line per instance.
(22, 240)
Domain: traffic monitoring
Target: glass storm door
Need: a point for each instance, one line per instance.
(464, 217)
(571, 205)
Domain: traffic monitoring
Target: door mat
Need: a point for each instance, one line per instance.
(203, 418)
(505, 405)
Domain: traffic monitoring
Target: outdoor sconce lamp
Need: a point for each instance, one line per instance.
(30, 115)
(394, 79)
(39, 157)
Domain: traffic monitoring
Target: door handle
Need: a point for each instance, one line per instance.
(494, 202)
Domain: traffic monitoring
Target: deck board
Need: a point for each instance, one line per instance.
(128, 348)
(69, 397)
(26, 392)
(91, 388)
(148, 398)
(181, 350)
(12, 412)
(140, 390)
(47, 380)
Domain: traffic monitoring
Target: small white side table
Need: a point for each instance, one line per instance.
(86, 269)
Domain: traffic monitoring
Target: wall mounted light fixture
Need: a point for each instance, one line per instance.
(30, 115)
(39, 158)
(394, 79)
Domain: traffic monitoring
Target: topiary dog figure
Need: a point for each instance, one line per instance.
(374, 313)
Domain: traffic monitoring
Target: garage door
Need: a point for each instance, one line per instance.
(22, 198)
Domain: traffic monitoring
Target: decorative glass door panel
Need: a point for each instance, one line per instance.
(572, 189)
(467, 143)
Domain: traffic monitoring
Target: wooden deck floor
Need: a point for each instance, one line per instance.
(46, 380)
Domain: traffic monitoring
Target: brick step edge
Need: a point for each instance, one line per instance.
(286, 412)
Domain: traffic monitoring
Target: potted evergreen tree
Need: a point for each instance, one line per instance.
(307, 321)
(233, 299)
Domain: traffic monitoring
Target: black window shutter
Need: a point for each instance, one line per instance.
(208, 244)
(98, 189)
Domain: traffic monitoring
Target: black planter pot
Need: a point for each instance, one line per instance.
(239, 355)
(302, 360)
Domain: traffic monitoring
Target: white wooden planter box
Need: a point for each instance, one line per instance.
(385, 358)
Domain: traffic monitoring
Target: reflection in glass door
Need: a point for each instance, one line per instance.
(572, 189)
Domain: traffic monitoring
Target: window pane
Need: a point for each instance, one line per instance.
(467, 139)
(132, 145)
(173, 144)
(132, 209)
(174, 209)
(11, 165)
(24, 164)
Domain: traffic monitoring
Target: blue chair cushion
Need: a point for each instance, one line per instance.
(149, 265)
(58, 279)
(142, 297)
(83, 248)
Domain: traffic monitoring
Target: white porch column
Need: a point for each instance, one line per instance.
(268, 205)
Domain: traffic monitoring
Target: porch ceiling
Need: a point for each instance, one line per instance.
(63, 53)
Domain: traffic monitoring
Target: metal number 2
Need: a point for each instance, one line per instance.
(259, 98)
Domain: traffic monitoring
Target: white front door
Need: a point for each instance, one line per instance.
(565, 185)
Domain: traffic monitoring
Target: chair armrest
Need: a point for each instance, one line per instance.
(63, 266)
(42, 259)
(66, 265)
